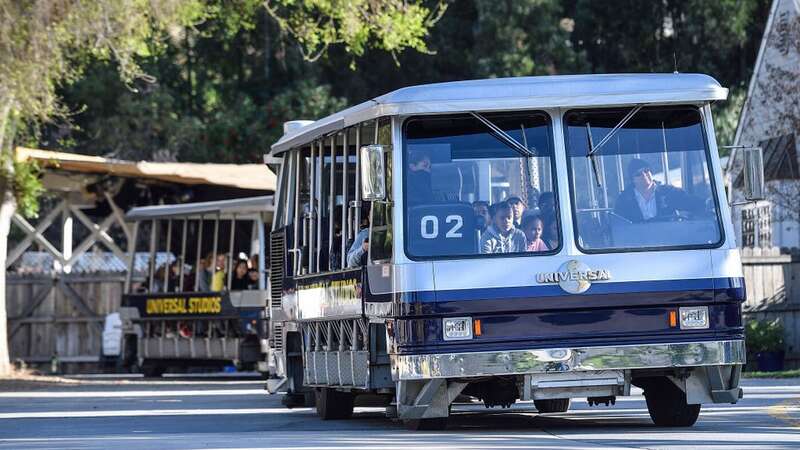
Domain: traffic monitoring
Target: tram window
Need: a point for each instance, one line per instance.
(462, 183)
(381, 237)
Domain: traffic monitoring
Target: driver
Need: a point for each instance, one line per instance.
(645, 199)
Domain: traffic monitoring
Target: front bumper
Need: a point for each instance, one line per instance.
(518, 362)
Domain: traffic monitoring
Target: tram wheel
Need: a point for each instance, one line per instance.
(432, 424)
(667, 406)
(334, 405)
(150, 370)
(556, 405)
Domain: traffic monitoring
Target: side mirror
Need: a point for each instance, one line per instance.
(753, 174)
(373, 174)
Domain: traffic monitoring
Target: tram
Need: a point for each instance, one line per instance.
(522, 239)
(196, 291)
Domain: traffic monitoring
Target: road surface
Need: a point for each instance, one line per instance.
(226, 413)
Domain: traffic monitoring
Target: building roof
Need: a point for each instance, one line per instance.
(560, 91)
(89, 263)
(242, 176)
(241, 207)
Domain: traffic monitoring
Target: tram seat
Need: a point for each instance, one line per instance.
(447, 182)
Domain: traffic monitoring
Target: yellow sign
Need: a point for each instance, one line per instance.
(183, 305)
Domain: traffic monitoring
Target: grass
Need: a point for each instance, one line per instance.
(780, 374)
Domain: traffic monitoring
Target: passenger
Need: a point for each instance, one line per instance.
(360, 246)
(533, 226)
(645, 199)
(482, 218)
(550, 234)
(418, 178)
(217, 275)
(204, 273)
(240, 281)
(547, 204)
(502, 236)
(518, 208)
(252, 272)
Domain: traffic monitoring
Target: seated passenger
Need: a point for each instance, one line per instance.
(645, 199)
(240, 280)
(550, 234)
(533, 228)
(358, 250)
(418, 178)
(482, 218)
(502, 236)
(518, 208)
(547, 204)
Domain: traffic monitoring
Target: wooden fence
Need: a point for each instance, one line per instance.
(772, 279)
(60, 316)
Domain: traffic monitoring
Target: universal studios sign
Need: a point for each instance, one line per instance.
(574, 277)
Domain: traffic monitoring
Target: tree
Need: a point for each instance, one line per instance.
(47, 44)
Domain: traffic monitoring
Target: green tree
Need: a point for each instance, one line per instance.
(46, 45)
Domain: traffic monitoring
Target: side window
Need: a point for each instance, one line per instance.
(381, 235)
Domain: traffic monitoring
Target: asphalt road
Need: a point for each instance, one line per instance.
(211, 414)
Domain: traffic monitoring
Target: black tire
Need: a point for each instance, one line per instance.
(667, 405)
(556, 405)
(432, 424)
(153, 370)
(334, 405)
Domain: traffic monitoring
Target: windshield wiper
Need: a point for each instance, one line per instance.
(595, 148)
(504, 137)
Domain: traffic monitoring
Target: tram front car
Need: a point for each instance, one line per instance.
(544, 239)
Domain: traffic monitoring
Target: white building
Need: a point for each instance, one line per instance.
(770, 119)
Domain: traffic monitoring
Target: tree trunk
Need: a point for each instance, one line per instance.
(6, 211)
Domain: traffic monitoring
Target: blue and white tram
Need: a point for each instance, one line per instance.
(522, 239)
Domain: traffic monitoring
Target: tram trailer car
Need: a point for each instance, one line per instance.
(184, 312)
(522, 239)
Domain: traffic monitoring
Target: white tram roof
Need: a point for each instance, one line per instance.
(495, 94)
(243, 208)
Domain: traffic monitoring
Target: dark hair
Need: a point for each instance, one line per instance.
(498, 207)
(527, 220)
(480, 203)
(414, 157)
(635, 166)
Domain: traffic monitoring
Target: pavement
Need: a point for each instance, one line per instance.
(227, 413)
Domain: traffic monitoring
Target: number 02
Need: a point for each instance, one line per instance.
(429, 227)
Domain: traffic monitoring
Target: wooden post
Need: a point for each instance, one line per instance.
(6, 212)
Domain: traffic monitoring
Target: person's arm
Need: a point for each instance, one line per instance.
(357, 250)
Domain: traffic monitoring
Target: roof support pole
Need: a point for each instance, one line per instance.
(182, 260)
(198, 269)
(345, 202)
(230, 251)
(167, 263)
(151, 267)
(332, 200)
(216, 242)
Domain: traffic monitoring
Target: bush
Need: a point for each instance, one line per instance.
(764, 336)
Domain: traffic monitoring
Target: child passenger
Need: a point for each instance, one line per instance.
(502, 236)
(533, 228)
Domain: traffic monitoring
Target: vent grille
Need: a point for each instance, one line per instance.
(277, 336)
(277, 258)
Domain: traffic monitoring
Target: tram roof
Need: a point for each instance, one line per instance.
(557, 91)
(241, 207)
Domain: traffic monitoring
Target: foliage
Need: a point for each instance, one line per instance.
(726, 118)
(780, 374)
(389, 25)
(764, 336)
(27, 187)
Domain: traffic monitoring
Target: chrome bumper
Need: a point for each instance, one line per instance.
(517, 362)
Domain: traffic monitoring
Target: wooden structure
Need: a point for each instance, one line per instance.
(773, 292)
(67, 270)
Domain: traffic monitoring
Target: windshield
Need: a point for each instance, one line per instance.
(654, 190)
(467, 192)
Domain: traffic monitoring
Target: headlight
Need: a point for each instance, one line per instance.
(457, 328)
(694, 317)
